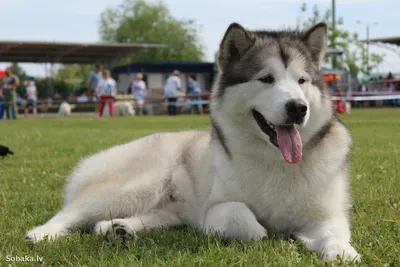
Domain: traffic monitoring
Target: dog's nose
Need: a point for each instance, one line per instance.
(296, 111)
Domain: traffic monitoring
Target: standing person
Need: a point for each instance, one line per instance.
(31, 93)
(95, 77)
(10, 83)
(171, 91)
(139, 92)
(1, 103)
(391, 90)
(107, 89)
(193, 90)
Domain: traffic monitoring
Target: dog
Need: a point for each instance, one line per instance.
(275, 161)
(4, 151)
(65, 109)
(123, 108)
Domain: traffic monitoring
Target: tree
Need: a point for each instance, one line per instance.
(76, 76)
(60, 86)
(20, 72)
(376, 60)
(139, 21)
(337, 37)
(354, 53)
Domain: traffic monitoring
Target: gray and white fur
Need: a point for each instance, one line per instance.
(238, 180)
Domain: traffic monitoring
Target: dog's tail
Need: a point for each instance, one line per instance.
(10, 152)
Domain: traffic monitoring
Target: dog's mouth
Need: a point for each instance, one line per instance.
(265, 126)
(284, 137)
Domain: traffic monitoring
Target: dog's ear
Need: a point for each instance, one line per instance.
(315, 39)
(235, 43)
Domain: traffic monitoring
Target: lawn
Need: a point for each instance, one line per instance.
(46, 150)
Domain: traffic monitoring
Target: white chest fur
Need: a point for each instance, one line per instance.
(283, 197)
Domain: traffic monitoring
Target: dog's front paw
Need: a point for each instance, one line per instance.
(47, 231)
(341, 252)
(115, 228)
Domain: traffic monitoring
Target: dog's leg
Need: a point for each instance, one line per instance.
(85, 208)
(56, 227)
(127, 227)
(233, 220)
(330, 239)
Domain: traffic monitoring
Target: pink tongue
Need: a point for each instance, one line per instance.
(289, 142)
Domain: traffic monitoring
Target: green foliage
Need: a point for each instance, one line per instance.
(75, 76)
(19, 71)
(60, 86)
(371, 62)
(139, 21)
(354, 51)
(68, 79)
(47, 149)
(377, 59)
(43, 85)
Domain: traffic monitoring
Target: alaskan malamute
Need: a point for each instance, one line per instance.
(275, 160)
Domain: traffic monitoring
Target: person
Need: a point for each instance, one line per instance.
(171, 91)
(95, 77)
(1, 103)
(10, 83)
(106, 89)
(391, 90)
(139, 92)
(193, 88)
(31, 93)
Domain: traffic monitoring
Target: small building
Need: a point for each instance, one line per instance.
(155, 74)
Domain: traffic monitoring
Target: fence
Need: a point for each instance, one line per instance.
(160, 104)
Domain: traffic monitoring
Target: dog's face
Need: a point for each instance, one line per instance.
(273, 79)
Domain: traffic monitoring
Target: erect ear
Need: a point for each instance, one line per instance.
(315, 39)
(235, 43)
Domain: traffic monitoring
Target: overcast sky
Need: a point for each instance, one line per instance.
(77, 20)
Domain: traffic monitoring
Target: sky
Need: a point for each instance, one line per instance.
(78, 20)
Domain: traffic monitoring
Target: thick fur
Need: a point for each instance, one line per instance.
(230, 180)
(65, 109)
(123, 108)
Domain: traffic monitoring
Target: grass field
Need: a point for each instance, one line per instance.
(31, 191)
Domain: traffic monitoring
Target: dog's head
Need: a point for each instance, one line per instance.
(273, 79)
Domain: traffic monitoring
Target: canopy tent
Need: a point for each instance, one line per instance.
(390, 43)
(67, 53)
(386, 40)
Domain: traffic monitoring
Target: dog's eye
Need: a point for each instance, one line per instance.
(302, 80)
(267, 79)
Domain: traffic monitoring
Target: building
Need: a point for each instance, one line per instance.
(156, 73)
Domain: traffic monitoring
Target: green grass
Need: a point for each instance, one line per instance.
(31, 191)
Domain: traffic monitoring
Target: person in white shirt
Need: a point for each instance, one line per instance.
(171, 91)
(107, 89)
(31, 93)
(139, 92)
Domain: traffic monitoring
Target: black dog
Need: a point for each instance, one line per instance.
(4, 151)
